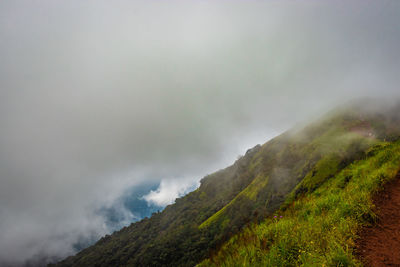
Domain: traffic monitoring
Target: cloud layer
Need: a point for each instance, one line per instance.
(99, 96)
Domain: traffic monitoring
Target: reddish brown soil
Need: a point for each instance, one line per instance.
(363, 128)
(379, 245)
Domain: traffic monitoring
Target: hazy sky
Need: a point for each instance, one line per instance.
(99, 96)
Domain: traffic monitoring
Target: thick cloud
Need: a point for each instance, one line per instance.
(100, 96)
(169, 190)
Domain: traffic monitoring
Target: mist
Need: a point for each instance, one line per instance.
(98, 97)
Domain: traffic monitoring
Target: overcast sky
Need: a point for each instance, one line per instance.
(99, 96)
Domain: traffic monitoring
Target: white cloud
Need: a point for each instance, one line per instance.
(169, 190)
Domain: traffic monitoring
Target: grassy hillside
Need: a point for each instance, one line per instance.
(285, 176)
(318, 228)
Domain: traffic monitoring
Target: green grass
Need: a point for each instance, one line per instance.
(249, 192)
(320, 227)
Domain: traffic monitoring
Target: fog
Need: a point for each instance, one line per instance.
(97, 97)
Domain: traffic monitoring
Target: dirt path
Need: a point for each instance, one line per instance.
(379, 245)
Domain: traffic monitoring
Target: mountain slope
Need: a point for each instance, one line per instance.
(318, 228)
(295, 164)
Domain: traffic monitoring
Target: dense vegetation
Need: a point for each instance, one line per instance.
(308, 176)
